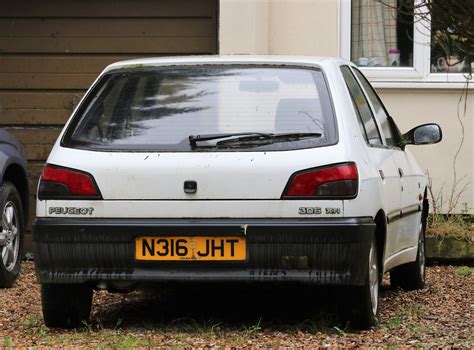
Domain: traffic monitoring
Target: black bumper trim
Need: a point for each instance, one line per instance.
(71, 250)
(104, 222)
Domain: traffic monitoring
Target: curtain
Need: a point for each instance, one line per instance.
(374, 29)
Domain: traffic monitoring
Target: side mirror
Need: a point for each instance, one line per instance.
(425, 134)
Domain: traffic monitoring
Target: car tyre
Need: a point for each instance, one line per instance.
(411, 276)
(11, 235)
(66, 306)
(361, 308)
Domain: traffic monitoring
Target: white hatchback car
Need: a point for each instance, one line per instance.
(230, 169)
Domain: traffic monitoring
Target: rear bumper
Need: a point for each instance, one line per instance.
(317, 251)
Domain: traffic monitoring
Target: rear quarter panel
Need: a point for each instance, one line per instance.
(369, 199)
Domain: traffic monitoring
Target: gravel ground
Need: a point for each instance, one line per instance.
(216, 316)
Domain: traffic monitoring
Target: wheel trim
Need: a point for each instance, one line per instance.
(9, 237)
(373, 279)
(421, 253)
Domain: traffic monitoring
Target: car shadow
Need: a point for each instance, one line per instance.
(211, 307)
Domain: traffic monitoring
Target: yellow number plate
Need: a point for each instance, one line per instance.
(190, 248)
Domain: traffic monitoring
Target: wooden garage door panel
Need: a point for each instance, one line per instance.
(35, 170)
(101, 45)
(35, 100)
(36, 136)
(45, 81)
(37, 108)
(60, 63)
(106, 27)
(109, 8)
(37, 116)
(54, 71)
(75, 72)
(37, 142)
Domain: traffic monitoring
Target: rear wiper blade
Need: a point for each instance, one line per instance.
(270, 138)
(193, 139)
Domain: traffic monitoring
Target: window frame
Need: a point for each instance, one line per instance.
(391, 122)
(357, 110)
(418, 76)
(392, 125)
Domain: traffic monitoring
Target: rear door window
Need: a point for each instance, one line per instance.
(158, 109)
(367, 122)
(390, 134)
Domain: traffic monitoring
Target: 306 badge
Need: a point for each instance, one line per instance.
(309, 210)
(318, 211)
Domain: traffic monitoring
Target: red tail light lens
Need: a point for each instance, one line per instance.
(64, 183)
(339, 181)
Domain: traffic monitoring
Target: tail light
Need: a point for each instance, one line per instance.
(338, 181)
(64, 183)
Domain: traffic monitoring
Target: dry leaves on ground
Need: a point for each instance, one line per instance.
(216, 316)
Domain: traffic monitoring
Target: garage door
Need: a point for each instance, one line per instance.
(52, 50)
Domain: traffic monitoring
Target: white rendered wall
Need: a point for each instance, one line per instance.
(302, 27)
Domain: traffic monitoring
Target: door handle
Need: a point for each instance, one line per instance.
(400, 171)
(382, 175)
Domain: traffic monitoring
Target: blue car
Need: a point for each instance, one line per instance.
(13, 205)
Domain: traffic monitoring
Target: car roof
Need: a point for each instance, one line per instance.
(322, 62)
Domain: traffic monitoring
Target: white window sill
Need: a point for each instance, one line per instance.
(409, 78)
(419, 85)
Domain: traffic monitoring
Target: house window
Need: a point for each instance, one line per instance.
(446, 56)
(395, 47)
(381, 36)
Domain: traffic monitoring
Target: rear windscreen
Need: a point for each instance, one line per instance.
(158, 109)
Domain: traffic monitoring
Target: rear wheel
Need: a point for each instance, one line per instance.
(11, 235)
(411, 276)
(361, 307)
(65, 306)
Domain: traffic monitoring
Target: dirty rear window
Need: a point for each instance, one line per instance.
(158, 109)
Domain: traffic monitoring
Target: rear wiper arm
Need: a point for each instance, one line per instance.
(193, 139)
(271, 138)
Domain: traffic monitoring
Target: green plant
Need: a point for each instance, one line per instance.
(118, 324)
(42, 331)
(254, 328)
(8, 341)
(32, 320)
(464, 271)
(193, 326)
(414, 309)
(130, 342)
(418, 329)
(410, 310)
(239, 340)
(87, 326)
(458, 226)
(339, 330)
(181, 337)
(464, 208)
(324, 323)
(394, 322)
